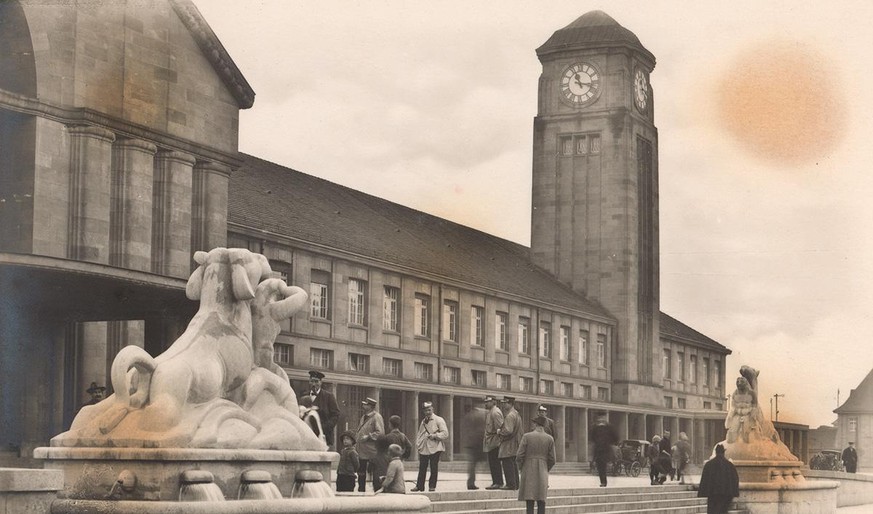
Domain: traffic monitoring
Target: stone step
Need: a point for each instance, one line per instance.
(569, 491)
(559, 498)
(572, 504)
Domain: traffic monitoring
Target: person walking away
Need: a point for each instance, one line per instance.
(719, 483)
(850, 458)
(432, 431)
(681, 456)
(472, 428)
(652, 455)
(382, 458)
(393, 480)
(346, 469)
(535, 458)
(666, 445)
(322, 401)
(491, 441)
(604, 437)
(549, 425)
(370, 428)
(510, 437)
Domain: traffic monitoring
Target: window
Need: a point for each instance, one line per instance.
(586, 392)
(390, 319)
(707, 405)
(525, 384)
(451, 375)
(853, 424)
(477, 329)
(319, 358)
(392, 367)
(524, 335)
(668, 402)
(422, 315)
(479, 378)
(504, 382)
(595, 143)
(565, 343)
(583, 347)
(359, 363)
(680, 363)
(719, 406)
(547, 387)
(580, 144)
(567, 389)
(450, 321)
(717, 371)
(424, 371)
(357, 302)
(603, 394)
(692, 369)
(667, 364)
(319, 294)
(283, 354)
(500, 331)
(567, 145)
(706, 372)
(545, 339)
(601, 350)
(681, 403)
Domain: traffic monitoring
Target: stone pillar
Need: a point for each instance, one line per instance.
(674, 429)
(132, 179)
(209, 206)
(410, 421)
(622, 425)
(449, 416)
(171, 214)
(582, 435)
(91, 357)
(90, 199)
(560, 436)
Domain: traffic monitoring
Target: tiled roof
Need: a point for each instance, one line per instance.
(266, 196)
(673, 328)
(860, 400)
(592, 30)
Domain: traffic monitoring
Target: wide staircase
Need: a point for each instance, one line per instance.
(667, 499)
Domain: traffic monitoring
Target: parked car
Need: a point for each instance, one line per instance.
(830, 460)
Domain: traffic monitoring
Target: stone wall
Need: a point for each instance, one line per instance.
(854, 489)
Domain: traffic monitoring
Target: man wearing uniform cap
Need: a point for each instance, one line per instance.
(370, 429)
(510, 437)
(548, 423)
(432, 431)
(324, 402)
(491, 442)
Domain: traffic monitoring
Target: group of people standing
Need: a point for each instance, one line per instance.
(667, 459)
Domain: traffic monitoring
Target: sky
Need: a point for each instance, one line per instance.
(764, 112)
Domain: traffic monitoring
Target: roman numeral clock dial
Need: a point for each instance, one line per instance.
(580, 84)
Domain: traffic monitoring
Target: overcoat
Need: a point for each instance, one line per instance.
(536, 456)
(432, 432)
(510, 434)
(493, 422)
(369, 424)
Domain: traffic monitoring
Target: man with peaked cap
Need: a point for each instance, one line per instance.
(324, 402)
(510, 437)
(432, 431)
(370, 429)
(548, 423)
(491, 442)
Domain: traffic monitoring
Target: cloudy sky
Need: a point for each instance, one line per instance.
(764, 114)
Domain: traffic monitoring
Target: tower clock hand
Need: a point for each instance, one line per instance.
(578, 82)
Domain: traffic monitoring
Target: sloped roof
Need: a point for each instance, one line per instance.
(594, 29)
(672, 328)
(266, 196)
(860, 400)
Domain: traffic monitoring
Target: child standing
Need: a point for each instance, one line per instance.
(393, 481)
(346, 470)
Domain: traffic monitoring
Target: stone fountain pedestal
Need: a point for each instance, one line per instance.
(779, 487)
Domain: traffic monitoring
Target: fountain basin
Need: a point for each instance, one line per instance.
(90, 473)
(394, 503)
(802, 497)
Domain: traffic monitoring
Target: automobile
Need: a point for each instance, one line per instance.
(830, 460)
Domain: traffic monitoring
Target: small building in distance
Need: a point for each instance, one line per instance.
(855, 422)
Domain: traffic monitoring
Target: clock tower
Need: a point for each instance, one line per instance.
(595, 188)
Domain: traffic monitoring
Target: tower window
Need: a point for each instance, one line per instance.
(567, 145)
(579, 144)
(595, 144)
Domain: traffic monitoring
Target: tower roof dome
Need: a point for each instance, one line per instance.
(594, 29)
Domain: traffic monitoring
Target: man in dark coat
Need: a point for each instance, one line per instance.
(549, 423)
(667, 446)
(719, 483)
(324, 402)
(491, 441)
(510, 437)
(604, 437)
(850, 458)
(472, 428)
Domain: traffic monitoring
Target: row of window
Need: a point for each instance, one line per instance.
(580, 144)
(689, 373)
(681, 403)
(357, 293)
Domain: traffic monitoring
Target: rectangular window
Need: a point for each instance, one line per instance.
(357, 302)
(319, 358)
(424, 371)
(319, 294)
(283, 354)
(450, 321)
(667, 364)
(500, 331)
(601, 350)
(525, 384)
(545, 340)
(581, 145)
(668, 402)
(719, 406)
(422, 315)
(853, 424)
(504, 382)
(390, 318)
(681, 403)
(392, 367)
(717, 372)
(692, 369)
(567, 389)
(547, 387)
(707, 405)
(603, 394)
(477, 328)
(524, 336)
(565, 343)
(706, 372)
(451, 375)
(359, 363)
(586, 392)
(680, 364)
(567, 145)
(595, 143)
(583, 347)
(479, 378)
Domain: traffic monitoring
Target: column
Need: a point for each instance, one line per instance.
(132, 179)
(674, 429)
(646, 435)
(90, 185)
(582, 435)
(449, 402)
(659, 425)
(622, 426)
(410, 421)
(560, 429)
(171, 214)
(209, 205)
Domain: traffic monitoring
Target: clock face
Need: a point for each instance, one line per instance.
(641, 90)
(580, 84)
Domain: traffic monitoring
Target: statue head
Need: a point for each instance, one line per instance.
(742, 384)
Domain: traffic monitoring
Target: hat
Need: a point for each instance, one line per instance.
(851, 442)
(508, 399)
(539, 420)
(350, 435)
(719, 448)
(427, 405)
(316, 374)
(94, 388)
(542, 408)
(368, 401)
(489, 398)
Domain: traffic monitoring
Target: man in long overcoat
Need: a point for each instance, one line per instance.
(324, 402)
(432, 432)
(491, 442)
(604, 437)
(510, 437)
(370, 429)
(719, 483)
(535, 458)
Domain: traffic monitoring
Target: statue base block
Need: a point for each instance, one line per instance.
(93, 473)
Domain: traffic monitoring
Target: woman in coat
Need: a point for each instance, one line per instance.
(535, 458)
